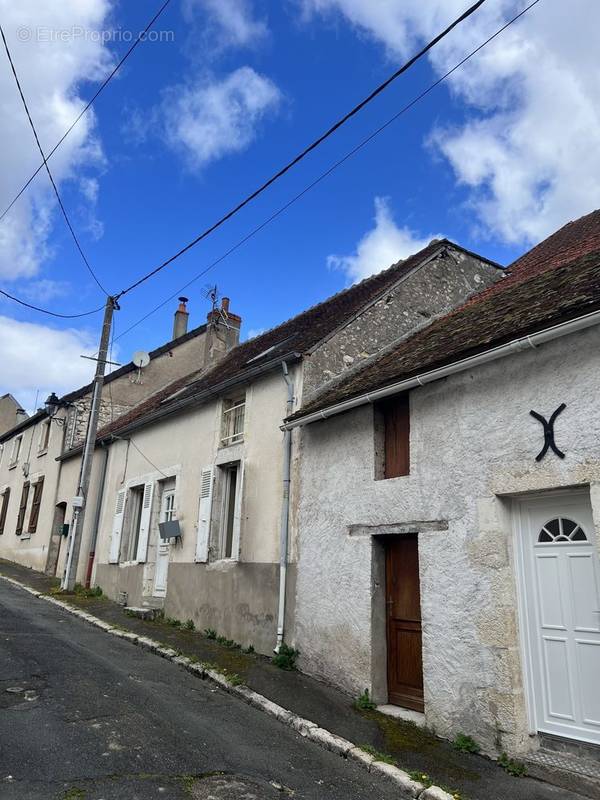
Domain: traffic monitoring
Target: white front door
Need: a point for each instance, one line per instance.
(167, 513)
(561, 587)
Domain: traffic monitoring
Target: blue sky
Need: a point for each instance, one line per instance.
(195, 122)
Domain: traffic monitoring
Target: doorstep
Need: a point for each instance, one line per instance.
(407, 714)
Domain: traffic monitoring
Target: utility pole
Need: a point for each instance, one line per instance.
(80, 501)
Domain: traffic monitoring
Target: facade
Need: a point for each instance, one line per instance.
(448, 539)
(206, 457)
(36, 490)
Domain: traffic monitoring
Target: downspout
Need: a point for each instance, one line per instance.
(97, 512)
(285, 509)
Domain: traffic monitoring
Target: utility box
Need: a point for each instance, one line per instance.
(64, 529)
(169, 530)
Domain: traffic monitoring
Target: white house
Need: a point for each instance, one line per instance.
(449, 512)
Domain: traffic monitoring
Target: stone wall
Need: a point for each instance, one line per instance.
(435, 288)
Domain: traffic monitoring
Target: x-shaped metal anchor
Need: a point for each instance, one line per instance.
(548, 425)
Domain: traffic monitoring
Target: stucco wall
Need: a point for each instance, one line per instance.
(435, 288)
(181, 446)
(473, 444)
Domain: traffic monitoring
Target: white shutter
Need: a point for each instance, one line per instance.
(142, 548)
(237, 513)
(204, 512)
(115, 539)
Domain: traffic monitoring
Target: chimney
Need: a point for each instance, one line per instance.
(223, 331)
(180, 323)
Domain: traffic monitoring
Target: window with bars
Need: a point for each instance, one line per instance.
(232, 427)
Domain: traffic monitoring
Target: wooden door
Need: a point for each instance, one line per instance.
(405, 664)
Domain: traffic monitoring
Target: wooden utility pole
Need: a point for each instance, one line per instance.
(80, 501)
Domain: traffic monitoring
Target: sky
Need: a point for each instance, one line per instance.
(222, 95)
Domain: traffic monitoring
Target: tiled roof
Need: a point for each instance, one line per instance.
(296, 335)
(517, 308)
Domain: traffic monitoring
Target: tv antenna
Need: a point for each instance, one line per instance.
(212, 293)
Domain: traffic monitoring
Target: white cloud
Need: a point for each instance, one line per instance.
(44, 290)
(51, 356)
(51, 73)
(226, 22)
(529, 149)
(209, 120)
(382, 246)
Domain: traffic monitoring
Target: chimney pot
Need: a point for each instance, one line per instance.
(225, 305)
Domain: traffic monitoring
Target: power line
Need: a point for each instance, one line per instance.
(308, 149)
(141, 37)
(331, 169)
(37, 140)
(47, 311)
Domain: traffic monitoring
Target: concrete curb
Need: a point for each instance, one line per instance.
(309, 730)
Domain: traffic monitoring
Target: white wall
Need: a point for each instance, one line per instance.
(473, 444)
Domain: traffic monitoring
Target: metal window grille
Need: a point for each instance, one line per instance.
(233, 421)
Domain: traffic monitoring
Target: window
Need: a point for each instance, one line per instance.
(167, 511)
(22, 508)
(44, 437)
(4, 499)
(133, 519)
(561, 529)
(231, 487)
(392, 437)
(38, 488)
(16, 449)
(232, 429)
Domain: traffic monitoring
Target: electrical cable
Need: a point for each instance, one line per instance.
(331, 169)
(306, 150)
(37, 140)
(141, 37)
(47, 311)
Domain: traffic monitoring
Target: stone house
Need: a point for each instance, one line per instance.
(192, 510)
(35, 491)
(448, 537)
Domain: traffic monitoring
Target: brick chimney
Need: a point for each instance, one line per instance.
(223, 331)
(180, 322)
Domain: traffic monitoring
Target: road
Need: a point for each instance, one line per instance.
(86, 716)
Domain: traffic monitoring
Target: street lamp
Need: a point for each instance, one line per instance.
(52, 405)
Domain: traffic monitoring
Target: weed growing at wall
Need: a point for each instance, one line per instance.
(515, 768)
(364, 703)
(286, 657)
(466, 744)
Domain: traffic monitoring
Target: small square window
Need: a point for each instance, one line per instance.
(232, 427)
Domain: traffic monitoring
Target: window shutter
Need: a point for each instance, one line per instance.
(35, 506)
(397, 436)
(22, 509)
(237, 513)
(204, 512)
(146, 513)
(115, 539)
(4, 509)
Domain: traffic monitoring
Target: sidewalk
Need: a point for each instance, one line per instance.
(472, 777)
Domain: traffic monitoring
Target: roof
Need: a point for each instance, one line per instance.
(289, 340)
(519, 308)
(112, 376)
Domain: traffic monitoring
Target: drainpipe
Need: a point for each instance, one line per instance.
(97, 512)
(285, 508)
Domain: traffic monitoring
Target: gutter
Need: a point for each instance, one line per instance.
(285, 510)
(515, 346)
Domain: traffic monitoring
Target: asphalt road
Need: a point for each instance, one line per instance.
(86, 716)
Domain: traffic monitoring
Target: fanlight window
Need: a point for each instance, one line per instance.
(561, 529)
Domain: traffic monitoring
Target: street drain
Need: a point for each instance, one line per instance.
(22, 694)
(234, 787)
